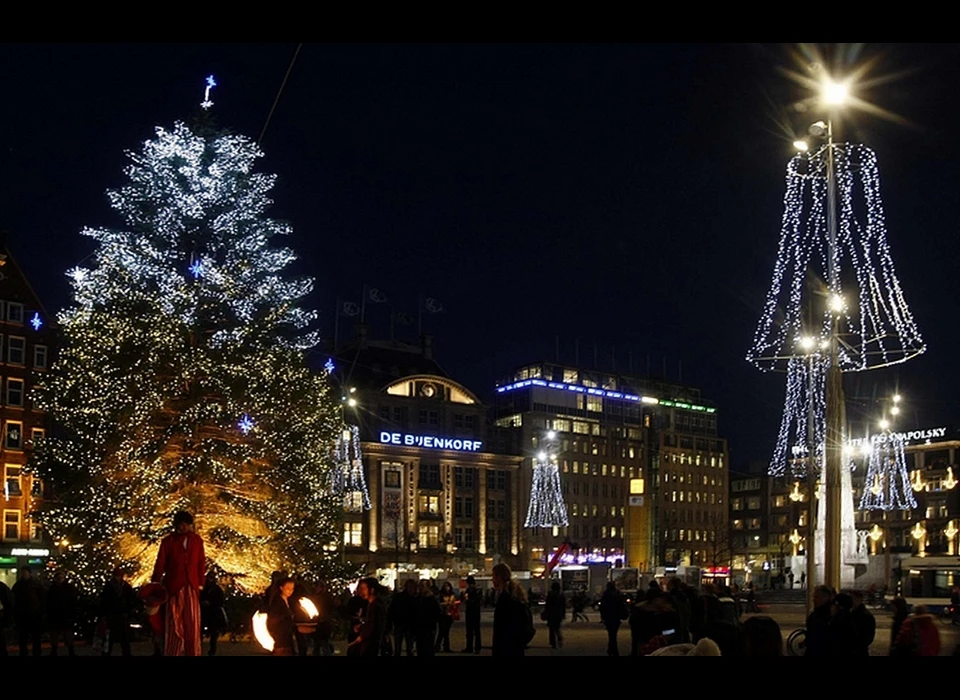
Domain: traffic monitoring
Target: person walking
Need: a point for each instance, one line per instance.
(864, 623)
(448, 604)
(117, 604)
(512, 623)
(62, 600)
(472, 603)
(180, 567)
(370, 636)
(554, 612)
(900, 615)
(613, 611)
(28, 611)
(213, 616)
(579, 604)
(428, 617)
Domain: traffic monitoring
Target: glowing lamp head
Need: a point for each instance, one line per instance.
(836, 303)
(884, 424)
(895, 410)
(551, 434)
(352, 402)
(801, 145)
(808, 343)
(896, 398)
(818, 129)
(542, 456)
(835, 94)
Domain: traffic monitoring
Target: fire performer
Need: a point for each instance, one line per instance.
(180, 567)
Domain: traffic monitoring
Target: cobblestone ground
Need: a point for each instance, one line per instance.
(580, 638)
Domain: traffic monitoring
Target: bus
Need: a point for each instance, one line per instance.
(928, 581)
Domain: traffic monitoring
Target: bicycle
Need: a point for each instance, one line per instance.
(797, 643)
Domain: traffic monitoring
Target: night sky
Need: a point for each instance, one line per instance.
(628, 196)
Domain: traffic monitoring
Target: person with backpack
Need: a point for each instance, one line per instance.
(513, 626)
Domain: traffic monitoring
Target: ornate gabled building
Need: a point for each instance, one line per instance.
(444, 498)
(27, 342)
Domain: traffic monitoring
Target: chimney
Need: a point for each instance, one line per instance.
(426, 341)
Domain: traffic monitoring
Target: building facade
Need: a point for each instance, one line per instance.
(444, 496)
(642, 469)
(27, 342)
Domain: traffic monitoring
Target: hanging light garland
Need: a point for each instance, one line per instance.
(346, 476)
(887, 485)
(546, 507)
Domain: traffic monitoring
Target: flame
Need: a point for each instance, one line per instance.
(308, 607)
(260, 631)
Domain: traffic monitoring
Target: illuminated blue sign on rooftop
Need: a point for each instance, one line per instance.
(593, 391)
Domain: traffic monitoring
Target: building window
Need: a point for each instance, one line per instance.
(429, 536)
(430, 505)
(14, 392)
(753, 504)
(11, 524)
(353, 534)
(12, 484)
(496, 509)
(430, 476)
(14, 312)
(463, 537)
(16, 350)
(40, 356)
(36, 487)
(13, 436)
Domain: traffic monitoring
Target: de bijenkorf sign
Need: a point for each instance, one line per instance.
(430, 441)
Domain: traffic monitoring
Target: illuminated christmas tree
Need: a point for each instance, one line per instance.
(182, 381)
(546, 507)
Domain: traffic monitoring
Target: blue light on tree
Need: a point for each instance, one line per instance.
(196, 268)
(36, 321)
(329, 366)
(211, 83)
(246, 424)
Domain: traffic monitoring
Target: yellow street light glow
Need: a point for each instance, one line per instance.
(895, 410)
(801, 145)
(884, 424)
(807, 342)
(835, 93)
(896, 398)
(351, 402)
(542, 456)
(836, 302)
(551, 434)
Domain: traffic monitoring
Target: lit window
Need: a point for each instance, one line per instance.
(11, 524)
(613, 532)
(353, 534)
(12, 484)
(13, 436)
(429, 536)
(603, 532)
(430, 505)
(593, 511)
(636, 486)
(576, 510)
(37, 434)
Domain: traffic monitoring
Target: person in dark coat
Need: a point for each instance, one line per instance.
(761, 637)
(448, 604)
(841, 632)
(612, 613)
(280, 622)
(817, 639)
(510, 614)
(213, 618)
(326, 607)
(28, 610)
(6, 615)
(864, 623)
(62, 600)
(427, 620)
(117, 605)
(900, 614)
(472, 602)
(402, 618)
(554, 613)
(370, 635)
(717, 626)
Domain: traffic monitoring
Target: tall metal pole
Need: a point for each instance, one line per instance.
(812, 464)
(833, 394)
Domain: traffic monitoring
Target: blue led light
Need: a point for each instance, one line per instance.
(36, 321)
(600, 392)
(245, 424)
(196, 268)
(211, 83)
(329, 366)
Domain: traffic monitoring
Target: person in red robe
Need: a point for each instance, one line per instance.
(181, 568)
